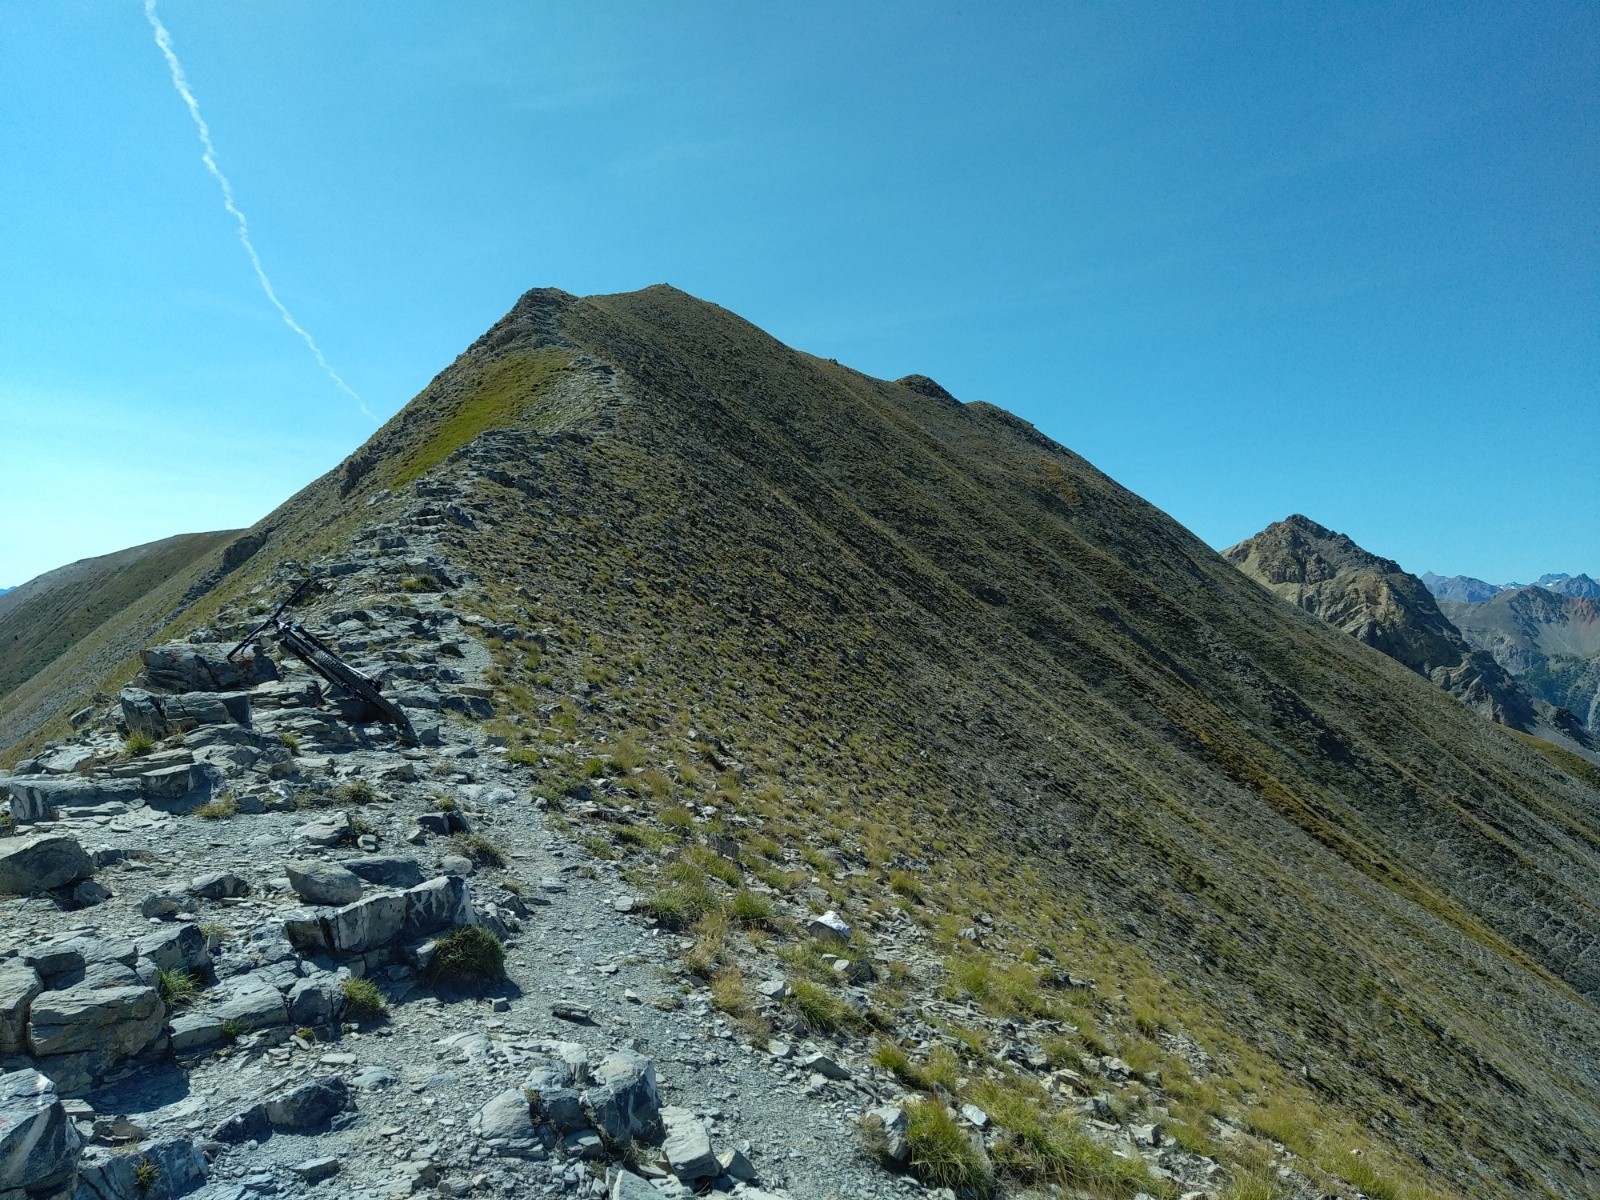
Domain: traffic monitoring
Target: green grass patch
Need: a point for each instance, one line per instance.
(363, 1000)
(466, 955)
(942, 1155)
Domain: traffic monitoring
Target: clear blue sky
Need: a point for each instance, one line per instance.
(1250, 260)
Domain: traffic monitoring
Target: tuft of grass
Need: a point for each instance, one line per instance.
(941, 1153)
(137, 745)
(145, 1175)
(1045, 1147)
(904, 883)
(290, 741)
(467, 954)
(820, 1009)
(479, 849)
(356, 791)
(729, 994)
(682, 901)
(234, 1028)
(306, 1034)
(220, 809)
(177, 988)
(363, 1000)
(751, 910)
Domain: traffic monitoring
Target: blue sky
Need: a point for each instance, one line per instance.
(1338, 259)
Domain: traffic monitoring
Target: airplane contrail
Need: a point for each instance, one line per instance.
(181, 82)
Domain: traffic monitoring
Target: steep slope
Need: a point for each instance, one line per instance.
(1550, 642)
(44, 617)
(902, 653)
(1379, 604)
(1462, 588)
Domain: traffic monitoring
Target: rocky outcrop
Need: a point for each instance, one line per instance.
(39, 1145)
(1378, 603)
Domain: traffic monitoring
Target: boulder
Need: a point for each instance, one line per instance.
(314, 1002)
(141, 713)
(309, 1105)
(251, 1003)
(34, 864)
(192, 1031)
(369, 923)
(329, 830)
(42, 798)
(829, 927)
(115, 1022)
(177, 948)
(323, 882)
(437, 904)
(623, 1102)
(889, 1123)
(39, 1144)
(506, 1116)
(385, 870)
(307, 930)
(246, 1125)
(108, 1175)
(219, 885)
(194, 709)
(688, 1146)
(19, 984)
(186, 668)
(628, 1186)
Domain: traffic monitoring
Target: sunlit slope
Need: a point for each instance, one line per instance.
(933, 638)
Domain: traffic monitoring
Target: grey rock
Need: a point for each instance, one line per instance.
(178, 948)
(688, 1146)
(141, 713)
(179, 1168)
(37, 863)
(162, 904)
(327, 831)
(628, 1186)
(42, 798)
(39, 1144)
(193, 1031)
(623, 1102)
(315, 1170)
(309, 1105)
(185, 668)
(86, 893)
(737, 1167)
(386, 870)
(974, 1116)
(19, 984)
(506, 1116)
(822, 1065)
(369, 923)
(830, 926)
(436, 905)
(323, 882)
(313, 1002)
(253, 1003)
(891, 1124)
(194, 709)
(117, 1022)
(247, 1125)
(219, 885)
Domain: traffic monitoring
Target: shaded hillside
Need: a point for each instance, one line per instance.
(1382, 606)
(1550, 642)
(46, 616)
(904, 654)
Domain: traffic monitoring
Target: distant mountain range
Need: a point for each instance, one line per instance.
(1464, 589)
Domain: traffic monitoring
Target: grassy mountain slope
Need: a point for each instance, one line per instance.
(913, 653)
(46, 616)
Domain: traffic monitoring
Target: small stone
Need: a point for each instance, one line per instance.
(162, 904)
(822, 1065)
(974, 1116)
(315, 1170)
(830, 926)
(324, 883)
(572, 1012)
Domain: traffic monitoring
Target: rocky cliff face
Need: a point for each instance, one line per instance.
(1549, 641)
(912, 797)
(1382, 606)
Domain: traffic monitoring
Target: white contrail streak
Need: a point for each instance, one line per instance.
(181, 82)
